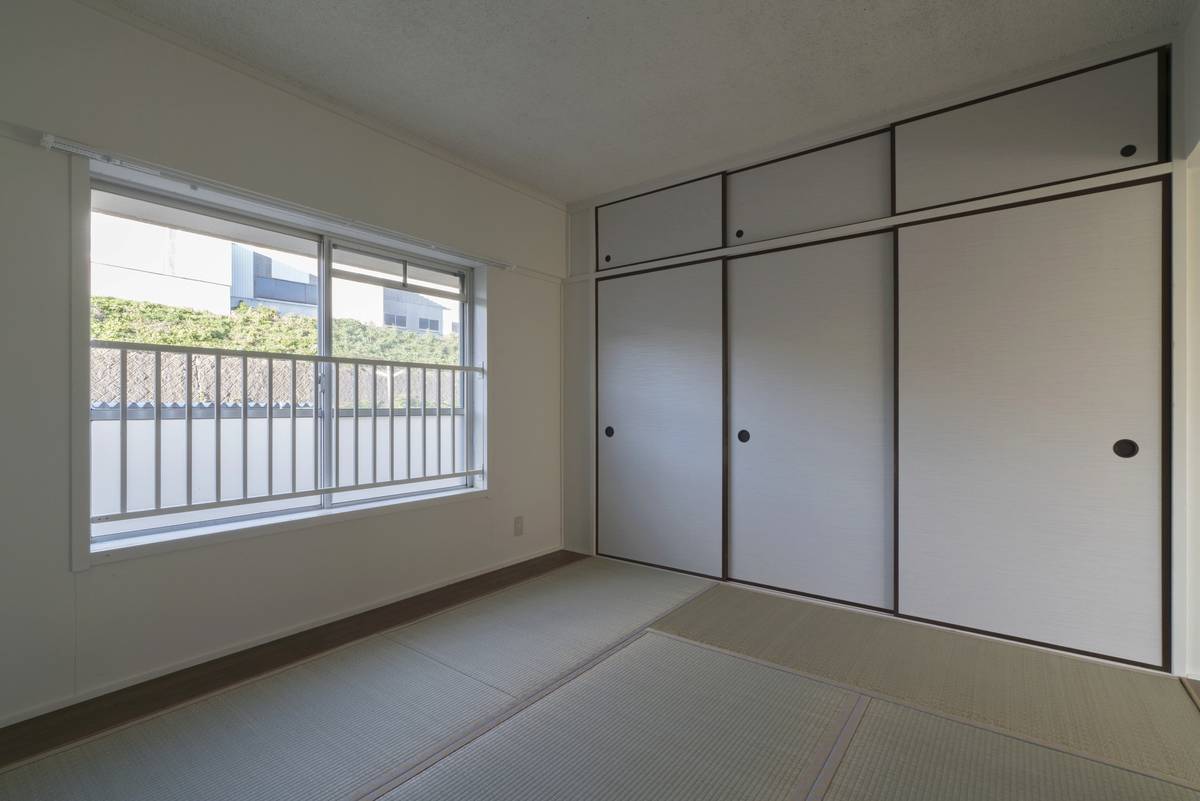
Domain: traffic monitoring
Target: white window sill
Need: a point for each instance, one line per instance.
(135, 546)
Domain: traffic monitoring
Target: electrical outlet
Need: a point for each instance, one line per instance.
(518, 526)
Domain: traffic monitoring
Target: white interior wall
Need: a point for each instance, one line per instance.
(1188, 77)
(37, 588)
(69, 70)
(579, 390)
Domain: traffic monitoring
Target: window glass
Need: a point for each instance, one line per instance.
(367, 265)
(165, 276)
(213, 397)
(419, 276)
(370, 320)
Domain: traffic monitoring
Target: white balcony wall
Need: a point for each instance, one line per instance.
(79, 73)
(411, 449)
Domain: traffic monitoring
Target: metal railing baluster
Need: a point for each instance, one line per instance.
(355, 399)
(292, 449)
(187, 426)
(217, 427)
(336, 413)
(392, 423)
(424, 422)
(124, 431)
(270, 427)
(374, 412)
(438, 422)
(245, 428)
(316, 427)
(157, 430)
(408, 422)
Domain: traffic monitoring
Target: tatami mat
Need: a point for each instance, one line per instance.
(314, 731)
(528, 635)
(900, 754)
(660, 719)
(1193, 688)
(1124, 716)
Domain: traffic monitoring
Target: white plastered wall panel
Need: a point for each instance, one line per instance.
(36, 587)
(810, 381)
(81, 74)
(1186, 94)
(579, 394)
(74, 72)
(837, 185)
(579, 388)
(1067, 128)
(659, 361)
(1029, 342)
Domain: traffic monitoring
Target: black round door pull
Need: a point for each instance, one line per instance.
(743, 436)
(1128, 150)
(608, 258)
(739, 233)
(1125, 448)
(608, 431)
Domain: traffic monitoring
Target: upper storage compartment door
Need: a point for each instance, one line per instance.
(1092, 122)
(837, 185)
(670, 222)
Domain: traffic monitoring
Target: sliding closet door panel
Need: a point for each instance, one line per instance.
(1029, 345)
(659, 412)
(811, 382)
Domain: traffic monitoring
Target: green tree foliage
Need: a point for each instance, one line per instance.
(261, 328)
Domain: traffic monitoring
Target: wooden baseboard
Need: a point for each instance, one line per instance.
(53, 730)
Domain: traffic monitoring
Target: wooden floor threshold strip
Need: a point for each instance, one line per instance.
(62, 727)
(869, 694)
(833, 759)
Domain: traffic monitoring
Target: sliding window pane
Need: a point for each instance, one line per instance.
(425, 278)
(172, 425)
(376, 318)
(162, 275)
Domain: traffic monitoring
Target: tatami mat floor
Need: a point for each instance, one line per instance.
(607, 680)
(341, 724)
(659, 719)
(1130, 717)
(901, 754)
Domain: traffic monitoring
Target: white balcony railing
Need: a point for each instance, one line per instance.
(180, 429)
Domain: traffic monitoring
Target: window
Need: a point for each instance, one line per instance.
(242, 370)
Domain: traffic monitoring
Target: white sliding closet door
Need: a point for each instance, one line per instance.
(811, 416)
(659, 413)
(1030, 354)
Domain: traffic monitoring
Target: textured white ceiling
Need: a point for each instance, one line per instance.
(580, 97)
